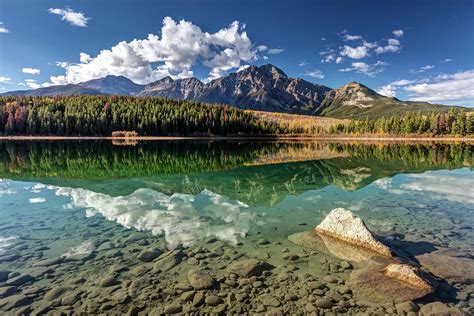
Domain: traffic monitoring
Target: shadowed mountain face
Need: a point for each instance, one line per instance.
(265, 88)
(252, 172)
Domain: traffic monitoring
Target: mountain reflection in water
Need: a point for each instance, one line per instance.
(251, 172)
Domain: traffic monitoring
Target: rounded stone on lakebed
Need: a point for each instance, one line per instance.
(200, 280)
(248, 267)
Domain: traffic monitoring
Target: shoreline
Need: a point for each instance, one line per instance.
(247, 138)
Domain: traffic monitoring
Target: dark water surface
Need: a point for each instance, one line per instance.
(89, 218)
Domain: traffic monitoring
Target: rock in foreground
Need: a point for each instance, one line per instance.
(343, 225)
(332, 246)
(407, 274)
(385, 283)
(249, 267)
(449, 265)
(200, 280)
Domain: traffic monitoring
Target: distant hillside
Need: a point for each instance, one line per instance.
(302, 124)
(356, 101)
(264, 88)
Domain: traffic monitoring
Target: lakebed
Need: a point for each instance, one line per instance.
(206, 227)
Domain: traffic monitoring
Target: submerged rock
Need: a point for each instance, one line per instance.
(48, 262)
(55, 293)
(332, 246)
(168, 260)
(14, 301)
(343, 225)
(108, 281)
(407, 274)
(7, 291)
(200, 280)
(20, 280)
(401, 283)
(269, 300)
(438, 308)
(249, 267)
(406, 307)
(4, 275)
(449, 265)
(212, 300)
(173, 308)
(148, 255)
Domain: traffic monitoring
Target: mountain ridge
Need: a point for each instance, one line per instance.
(263, 88)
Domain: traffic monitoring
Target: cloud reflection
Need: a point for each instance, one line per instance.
(183, 219)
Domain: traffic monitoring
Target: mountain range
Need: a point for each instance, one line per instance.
(264, 88)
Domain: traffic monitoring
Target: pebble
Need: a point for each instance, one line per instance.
(263, 242)
(148, 255)
(291, 297)
(346, 265)
(269, 300)
(7, 291)
(198, 299)
(187, 296)
(20, 280)
(213, 300)
(4, 275)
(55, 293)
(248, 267)
(108, 281)
(14, 301)
(325, 302)
(173, 308)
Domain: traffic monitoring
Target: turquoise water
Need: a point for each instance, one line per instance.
(98, 205)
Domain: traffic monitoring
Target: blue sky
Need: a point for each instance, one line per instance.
(414, 50)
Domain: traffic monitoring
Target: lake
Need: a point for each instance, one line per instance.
(116, 227)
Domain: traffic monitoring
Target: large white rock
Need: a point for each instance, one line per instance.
(342, 224)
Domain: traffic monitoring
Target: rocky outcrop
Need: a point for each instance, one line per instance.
(265, 88)
(343, 225)
(183, 89)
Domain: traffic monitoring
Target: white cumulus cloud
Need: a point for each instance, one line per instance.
(387, 90)
(369, 70)
(181, 46)
(71, 16)
(31, 71)
(398, 33)
(4, 79)
(315, 74)
(453, 87)
(348, 37)
(423, 69)
(393, 46)
(329, 58)
(3, 29)
(355, 52)
(390, 90)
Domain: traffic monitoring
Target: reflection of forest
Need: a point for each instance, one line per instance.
(240, 170)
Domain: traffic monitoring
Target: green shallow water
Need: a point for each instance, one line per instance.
(103, 203)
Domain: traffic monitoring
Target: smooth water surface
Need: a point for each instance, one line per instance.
(91, 217)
